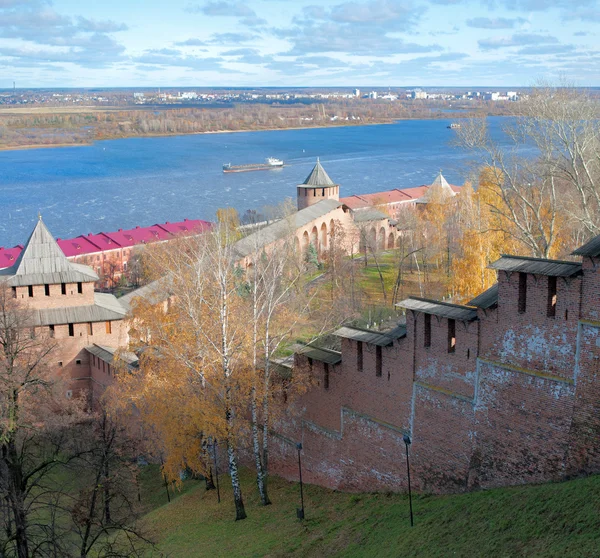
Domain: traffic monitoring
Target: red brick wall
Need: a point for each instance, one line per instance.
(522, 423)
(69, 350)
(518, 401)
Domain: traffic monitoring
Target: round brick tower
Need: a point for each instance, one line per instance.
(317, 187)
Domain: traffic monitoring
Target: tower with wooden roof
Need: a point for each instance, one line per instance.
(317, 187)
(62, 305)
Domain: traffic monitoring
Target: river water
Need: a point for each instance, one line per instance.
(141, 181)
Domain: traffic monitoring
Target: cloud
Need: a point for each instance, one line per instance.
(222, 9)
(546, 49)
(375, 12)
(494, 23)
(191, 42)
(232, 38)
(248, 56)
(391, 14)
(108, 26)
(519, 39)
(52, 37)
(358, 28)
(583, 14)
(198, 63)
(165, 51)
(538, 5)
(99, 52)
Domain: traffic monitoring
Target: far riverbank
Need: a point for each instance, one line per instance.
(24, 129)
(244, 130)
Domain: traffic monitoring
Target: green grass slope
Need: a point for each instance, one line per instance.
(553, 520)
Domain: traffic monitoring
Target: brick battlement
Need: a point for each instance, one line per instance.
(504, 392)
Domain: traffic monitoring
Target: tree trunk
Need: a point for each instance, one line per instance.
(240, 512)
(265, 454)
(208, 479)
(16, 497)
(260, 471)
(106, 494)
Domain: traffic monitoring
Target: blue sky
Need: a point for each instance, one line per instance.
(71, 43)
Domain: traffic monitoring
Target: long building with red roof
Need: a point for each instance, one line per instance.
(392, 201)
(108, 253)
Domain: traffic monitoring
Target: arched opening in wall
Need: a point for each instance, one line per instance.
(373, 239)
(391, 242)
(305, 241)
(314, 237)
(323, 236)
(381, 239)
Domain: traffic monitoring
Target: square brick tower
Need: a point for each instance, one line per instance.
(60, 296)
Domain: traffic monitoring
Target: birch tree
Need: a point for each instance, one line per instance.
(279, 301)
(195, 366)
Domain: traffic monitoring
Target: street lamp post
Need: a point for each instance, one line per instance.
(406, 439)
(300, 510)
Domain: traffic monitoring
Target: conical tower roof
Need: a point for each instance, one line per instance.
(318, 177)
(440, 184)
(43, 262)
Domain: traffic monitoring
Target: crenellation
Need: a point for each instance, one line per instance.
(507, 394)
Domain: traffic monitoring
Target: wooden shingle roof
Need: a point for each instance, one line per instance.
(487, 299)
(381, 338)
(537, 266)
(442, 309)
(318, 177)
(321, 354)
(43, 262)
(591, 248)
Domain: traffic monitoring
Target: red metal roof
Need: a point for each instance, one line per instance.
(103, 241)
(77, 246)
(389, 196)
(8, 256)
(185, 227)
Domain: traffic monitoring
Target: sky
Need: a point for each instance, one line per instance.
(278, 43)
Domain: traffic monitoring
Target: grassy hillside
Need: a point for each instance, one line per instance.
(554, 520)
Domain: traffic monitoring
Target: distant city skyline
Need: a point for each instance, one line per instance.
(502, 43)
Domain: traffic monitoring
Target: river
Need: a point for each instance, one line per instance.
(141, 181)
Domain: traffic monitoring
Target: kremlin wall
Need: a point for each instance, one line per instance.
(504, 390)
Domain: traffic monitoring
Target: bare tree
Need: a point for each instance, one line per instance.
(105, 508)
(31, 436)
(549, 176)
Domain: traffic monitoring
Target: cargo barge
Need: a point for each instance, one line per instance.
(270, 163)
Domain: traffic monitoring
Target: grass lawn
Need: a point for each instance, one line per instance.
(552, 520)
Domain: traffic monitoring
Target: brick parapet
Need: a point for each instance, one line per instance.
(517, 401)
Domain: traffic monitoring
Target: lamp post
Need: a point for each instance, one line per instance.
(214, 445)
(406, 439)
(300, 510)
